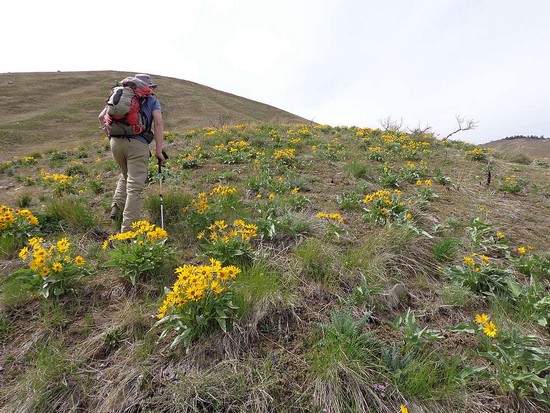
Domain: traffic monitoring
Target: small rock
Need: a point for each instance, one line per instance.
(397, 296)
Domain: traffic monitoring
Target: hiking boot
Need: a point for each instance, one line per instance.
(115, 212)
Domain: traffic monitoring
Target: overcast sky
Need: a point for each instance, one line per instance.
(340, 62)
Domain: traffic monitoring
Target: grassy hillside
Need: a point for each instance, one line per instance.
(522, 150)
(353, 270)
(59, 110)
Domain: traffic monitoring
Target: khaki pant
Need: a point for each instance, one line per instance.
(132, 156)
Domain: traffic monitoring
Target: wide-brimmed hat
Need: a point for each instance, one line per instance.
(146, 78)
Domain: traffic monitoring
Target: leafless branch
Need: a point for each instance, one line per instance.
(463, 125)
(420, 130)
(388, 124)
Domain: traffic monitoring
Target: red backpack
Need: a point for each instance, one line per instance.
(124, 117)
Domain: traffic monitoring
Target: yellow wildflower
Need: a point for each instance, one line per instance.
(24, 253)
(79, 260)
(490, 329)
(63, 245)
(232, 271)
(469, 261)
(404, 409)
(216, 287)
(57, 267)
(195, 293)
(35, 242)
(33, 220)
(223, 274)
(522, 250)
(482, 318)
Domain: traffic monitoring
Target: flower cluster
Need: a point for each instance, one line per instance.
(61, 182)
(194, 283)
(376, 153)
(384, 205)
(200, 204)
(141, 229)
(191, 159)
(331, 216)
(229, 243)
(200, 297)
(233, 146)
(477, 154)
(138, 251)
(489, 328)
(233, 152)
(51, 268)
(222, 232)
(205, 208)
(511, 185)
(476, 262)
(427, 182)
(16, 218)
(223, 190)
(285, 155)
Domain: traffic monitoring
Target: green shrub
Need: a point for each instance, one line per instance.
(67, 211)
(138, 252)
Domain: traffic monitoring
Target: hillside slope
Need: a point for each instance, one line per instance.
(527, 148)
(378, 270)
(59, 109)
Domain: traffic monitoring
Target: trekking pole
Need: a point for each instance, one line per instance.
(160, 189)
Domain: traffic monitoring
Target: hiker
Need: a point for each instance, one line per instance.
(131, 151)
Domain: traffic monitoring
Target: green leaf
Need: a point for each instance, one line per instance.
(222, 323)
(220, 312)
(462, 328)
(477, 371)
(183, 336)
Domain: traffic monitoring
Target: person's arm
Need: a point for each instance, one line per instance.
(158, 129)
(101, 119)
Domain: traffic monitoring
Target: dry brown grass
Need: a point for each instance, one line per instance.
(112, 361)
(522, 150)
(48, 111)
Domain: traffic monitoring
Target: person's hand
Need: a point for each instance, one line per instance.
(159, 153)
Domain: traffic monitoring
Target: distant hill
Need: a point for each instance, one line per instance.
(530, 147)
(63, 106)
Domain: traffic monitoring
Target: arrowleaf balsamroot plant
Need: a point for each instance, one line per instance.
(229, 243)
(137, 252)
(385, 206)
(52, 269)
(201, 298)
(518, 362)
(16, 227)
